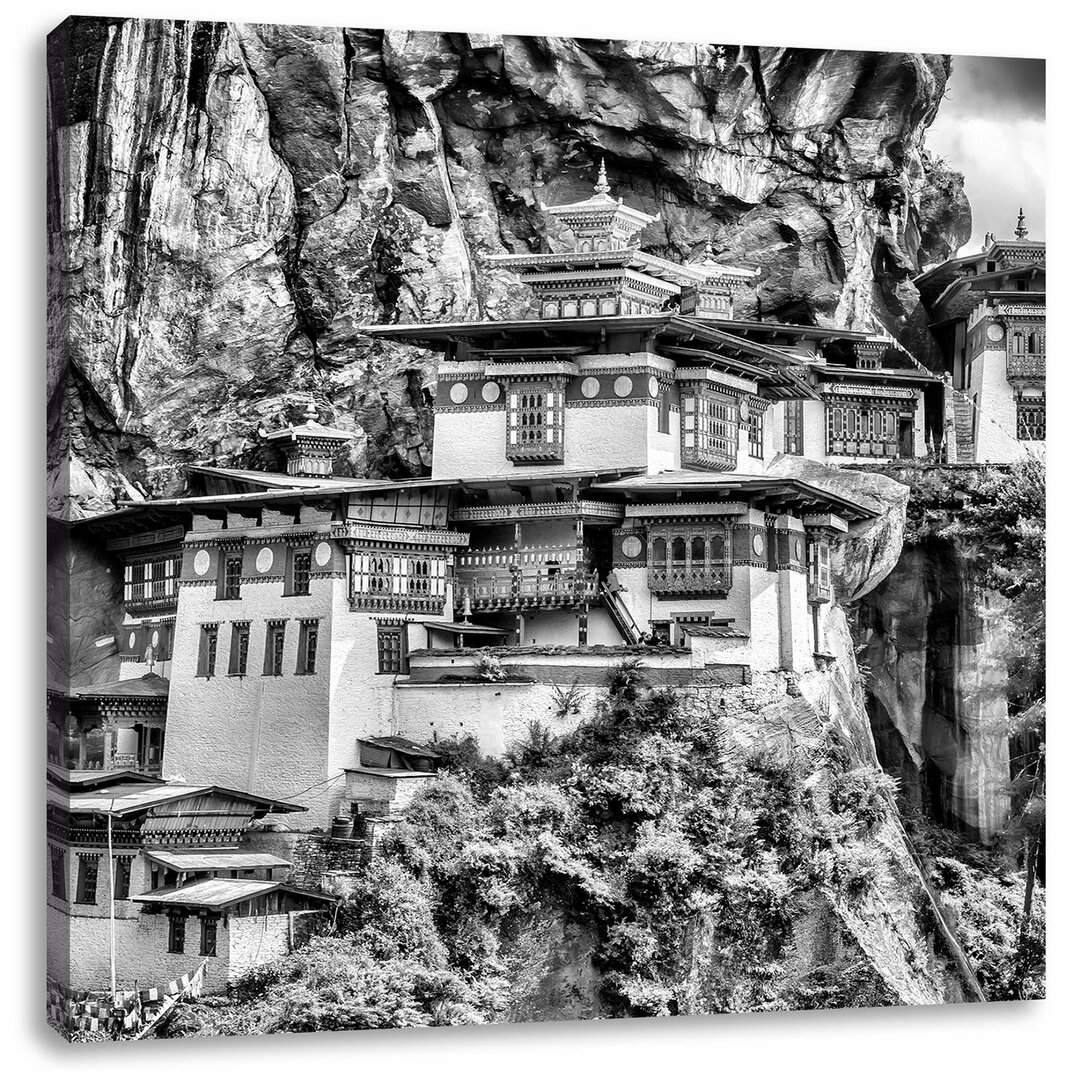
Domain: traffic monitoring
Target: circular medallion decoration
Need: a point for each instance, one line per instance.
(631, 546)
(759, 545)
(458, 393)
(490, 392)
(323, 553)
(623, 385)
(744, 411)
(264, 560)
(590, 387)
(995, 332)
(654, 386)
(155, 637)
(202, 561)
(131, 640)
(796, 549)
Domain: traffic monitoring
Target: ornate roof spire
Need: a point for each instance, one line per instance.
(311, 412)
(1021, 228)
(601, 187)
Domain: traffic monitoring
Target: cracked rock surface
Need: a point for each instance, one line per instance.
(231, 205)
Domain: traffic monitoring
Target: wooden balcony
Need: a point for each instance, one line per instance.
(529, 589)
(690, 580)
(1024, 366)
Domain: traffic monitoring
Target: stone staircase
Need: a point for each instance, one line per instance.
(964, 427)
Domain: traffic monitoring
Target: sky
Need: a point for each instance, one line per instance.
(991, 126)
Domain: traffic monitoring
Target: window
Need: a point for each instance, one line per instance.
(793, 427)
(391, 639)
(122, 877)
(710, 430)
(551, 311)
(388, 581)
(756, 434)
(863, 430)
(275, 648)
(208, 936)
(232, 567)
(1018, 343)
(150, 580)
(59, 872)
(820, 580)
(663, 420)
(207, 650)
(308, 647)
(1031, 421)
(1033, 343)
(238, 650)
(86, 889)
(300, 577)
(534, 422)
(991, 266)
(177, 925)
(689, 560)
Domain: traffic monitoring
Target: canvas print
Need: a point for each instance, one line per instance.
(540, 528)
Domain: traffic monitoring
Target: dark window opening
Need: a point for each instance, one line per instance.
(230, 577)
(238, 651)
(308, 647)
(177, 926)
(208, 639)
(88, 877)
(208, 937)
(756, 435)
(391, 640)
(59, 872)
(121, 879)
(275, 648)
(301, 573)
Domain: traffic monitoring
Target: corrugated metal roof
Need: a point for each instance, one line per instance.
(217, 860)
(396, 742)
(219, 893)
(209, 892)
(132, 798)
(392, 774)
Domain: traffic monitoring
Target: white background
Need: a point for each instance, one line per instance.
(1021, 1041)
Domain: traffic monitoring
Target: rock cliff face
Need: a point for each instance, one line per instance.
(230, 205)
(938, 693)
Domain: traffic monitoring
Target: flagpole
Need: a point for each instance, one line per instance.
(112, 906)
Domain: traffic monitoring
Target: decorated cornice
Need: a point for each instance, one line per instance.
(687, 509)
(398, 534)
(528, 511)
(846, 389)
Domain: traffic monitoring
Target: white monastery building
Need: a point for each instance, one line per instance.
(629, 472)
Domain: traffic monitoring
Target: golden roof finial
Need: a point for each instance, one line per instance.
(1021, 228)
(311, 412)
(601, 187)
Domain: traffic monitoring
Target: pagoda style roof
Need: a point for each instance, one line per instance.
(311, 429)
(147, 686)
(701, 274)
(780, 491)
(725, 345)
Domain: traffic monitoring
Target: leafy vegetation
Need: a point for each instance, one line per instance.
(642, 865)
(996, 517)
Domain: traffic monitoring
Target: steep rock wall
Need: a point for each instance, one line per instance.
(230, 205)
(939, 710)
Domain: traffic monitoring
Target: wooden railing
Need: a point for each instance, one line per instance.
(555, 587)
(1026, 366)
(690, 580)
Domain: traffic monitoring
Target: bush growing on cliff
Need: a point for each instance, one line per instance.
(677, 862)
